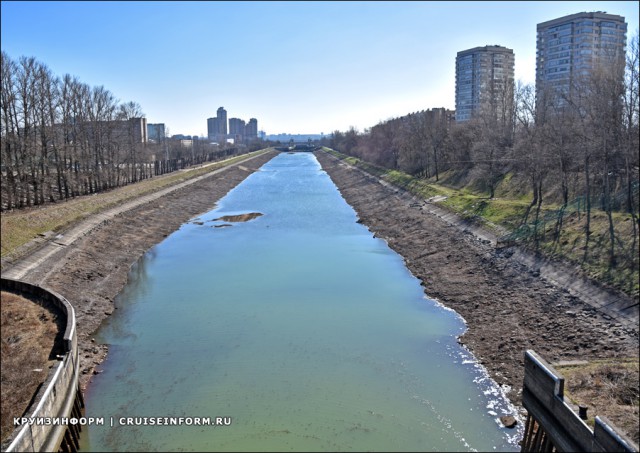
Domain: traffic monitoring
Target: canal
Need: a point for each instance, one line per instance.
(285, 321)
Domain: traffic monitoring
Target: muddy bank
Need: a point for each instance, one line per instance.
(91, 271)
(508, 307)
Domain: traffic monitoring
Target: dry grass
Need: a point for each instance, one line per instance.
(31, 337)
(608, 388)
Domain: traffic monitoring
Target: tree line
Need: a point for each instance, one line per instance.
(61, 138)
(580, 143)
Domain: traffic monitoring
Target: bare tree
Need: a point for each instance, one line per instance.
(413, 146)
(631, 137)
(530, 146)
(9, 135)
(62, 138)
(47, 99)
(496, 121)
(460, 147)
(129, 112)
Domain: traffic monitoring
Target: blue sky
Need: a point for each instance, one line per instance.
(298, 67)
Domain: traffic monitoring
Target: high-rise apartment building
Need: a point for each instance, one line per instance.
(236, 126)
(212, 129)
(251, 130)
(236, 129)
(484, 76)
(222, 121)
(571, 47)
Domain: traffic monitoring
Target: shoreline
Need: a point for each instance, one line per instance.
(91, 270)
(506, 306)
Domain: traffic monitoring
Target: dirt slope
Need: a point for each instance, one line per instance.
(508, 307)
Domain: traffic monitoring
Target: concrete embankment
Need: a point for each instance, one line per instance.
(89, 264)
(509, 305)
(59, 398)
(614, 305)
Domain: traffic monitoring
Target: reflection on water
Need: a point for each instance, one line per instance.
(297, 326)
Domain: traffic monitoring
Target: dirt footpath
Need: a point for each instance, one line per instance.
(508, 308)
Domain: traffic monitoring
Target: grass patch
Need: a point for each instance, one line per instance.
(507, 213)
(594, 259)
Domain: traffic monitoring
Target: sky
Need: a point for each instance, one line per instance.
(298, 67)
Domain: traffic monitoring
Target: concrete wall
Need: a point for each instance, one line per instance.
(59, 394)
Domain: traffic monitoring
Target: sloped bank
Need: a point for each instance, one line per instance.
(508, 307)
(91, 270)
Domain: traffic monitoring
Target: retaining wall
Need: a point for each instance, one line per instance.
(59, 397)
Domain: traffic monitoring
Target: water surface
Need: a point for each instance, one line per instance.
(298, 327)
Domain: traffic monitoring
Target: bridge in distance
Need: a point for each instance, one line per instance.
(298, 146)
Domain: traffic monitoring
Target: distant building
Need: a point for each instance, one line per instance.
(483, 75)
(239, 131)
(236, 126)
(133, 130)
(441, 115)
(212, 129)
(222, 121)
(251, 130)
(155, 132)
(136, 128)
(571, 47)
(236, 130)
(126, 132)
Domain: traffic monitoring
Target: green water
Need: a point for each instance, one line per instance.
(299, 328)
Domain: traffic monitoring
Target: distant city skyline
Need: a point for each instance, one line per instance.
(298, 67)
(219, 128)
